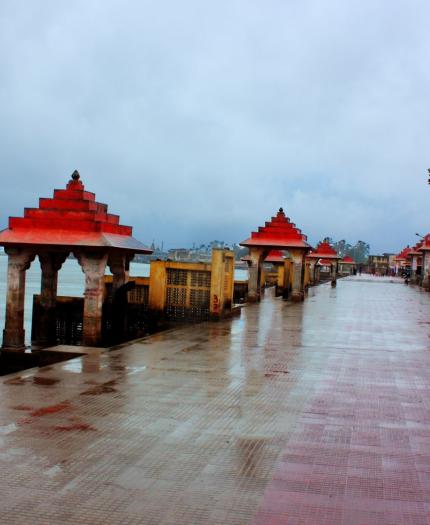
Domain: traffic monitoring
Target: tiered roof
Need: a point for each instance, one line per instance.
(275, 256)
(325, 251)
(402, 256)
(279, 233)
(72, 218)
(425, 243)
(325, 262)
(415, 250)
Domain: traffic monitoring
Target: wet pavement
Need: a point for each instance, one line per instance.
(314, 413)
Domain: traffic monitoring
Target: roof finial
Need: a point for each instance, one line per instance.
(75, 175)
(281, 210)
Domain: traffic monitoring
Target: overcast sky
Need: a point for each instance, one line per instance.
(196, 120)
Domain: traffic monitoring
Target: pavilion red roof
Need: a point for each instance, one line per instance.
(403, 254)
(324, 250)
(72, 218)
(415, 250)
(278, 233)
(275, 256)
(325, 262)
(347, 260)
(425, 243)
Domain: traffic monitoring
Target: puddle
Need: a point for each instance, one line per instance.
(52, 409)
(81, 427)
(104, 388)
(45, 381)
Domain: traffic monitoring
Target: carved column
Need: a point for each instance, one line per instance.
(414, 267)
(13, 334)
(312, 271)
(297, 293)
(426, 269)
(119, 265)
(333, 267)
(254, 271)
(93, 265)
(50, 264)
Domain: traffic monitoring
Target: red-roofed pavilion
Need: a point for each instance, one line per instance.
(328, 253)
(347, 265)
(425, 250)
(275, 257)
(280, 261)
(401, 259)
(277, 234)
(70, 222)
(415, 258)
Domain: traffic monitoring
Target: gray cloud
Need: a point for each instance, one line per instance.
(197, 120)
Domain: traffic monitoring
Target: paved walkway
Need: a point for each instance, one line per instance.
(291, 414)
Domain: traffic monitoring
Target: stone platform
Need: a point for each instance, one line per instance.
(313, 413)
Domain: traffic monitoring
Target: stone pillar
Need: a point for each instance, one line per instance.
(13, 334)
(297, 293)
(333, 267)
(119, 265)
(50, 264)
(254, 271)
(312, 265)
(426, 270)
(414, 267)
(93, 265)
(280, 280)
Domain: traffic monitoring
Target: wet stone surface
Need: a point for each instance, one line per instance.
(314, 413)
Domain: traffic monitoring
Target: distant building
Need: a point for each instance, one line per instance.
(381, 264)
(179, 254)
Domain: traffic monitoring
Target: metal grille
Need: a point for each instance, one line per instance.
(199, 298)
(176, 296)
(177, 277)
(187, 294)
(139, 295)
(201, 279)
(67, 322)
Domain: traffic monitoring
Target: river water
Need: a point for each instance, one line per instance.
(70, 283)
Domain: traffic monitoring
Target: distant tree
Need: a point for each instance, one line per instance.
(239, 252)
(342, 247)
(360, 252)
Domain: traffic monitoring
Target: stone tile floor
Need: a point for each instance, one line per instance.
(317, 413)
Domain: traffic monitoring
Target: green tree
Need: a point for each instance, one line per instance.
(342, 247)
(360, 252)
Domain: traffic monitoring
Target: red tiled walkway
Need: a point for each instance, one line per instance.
(316, 413)
(360, 452)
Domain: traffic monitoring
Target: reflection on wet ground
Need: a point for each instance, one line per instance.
(317, 413)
